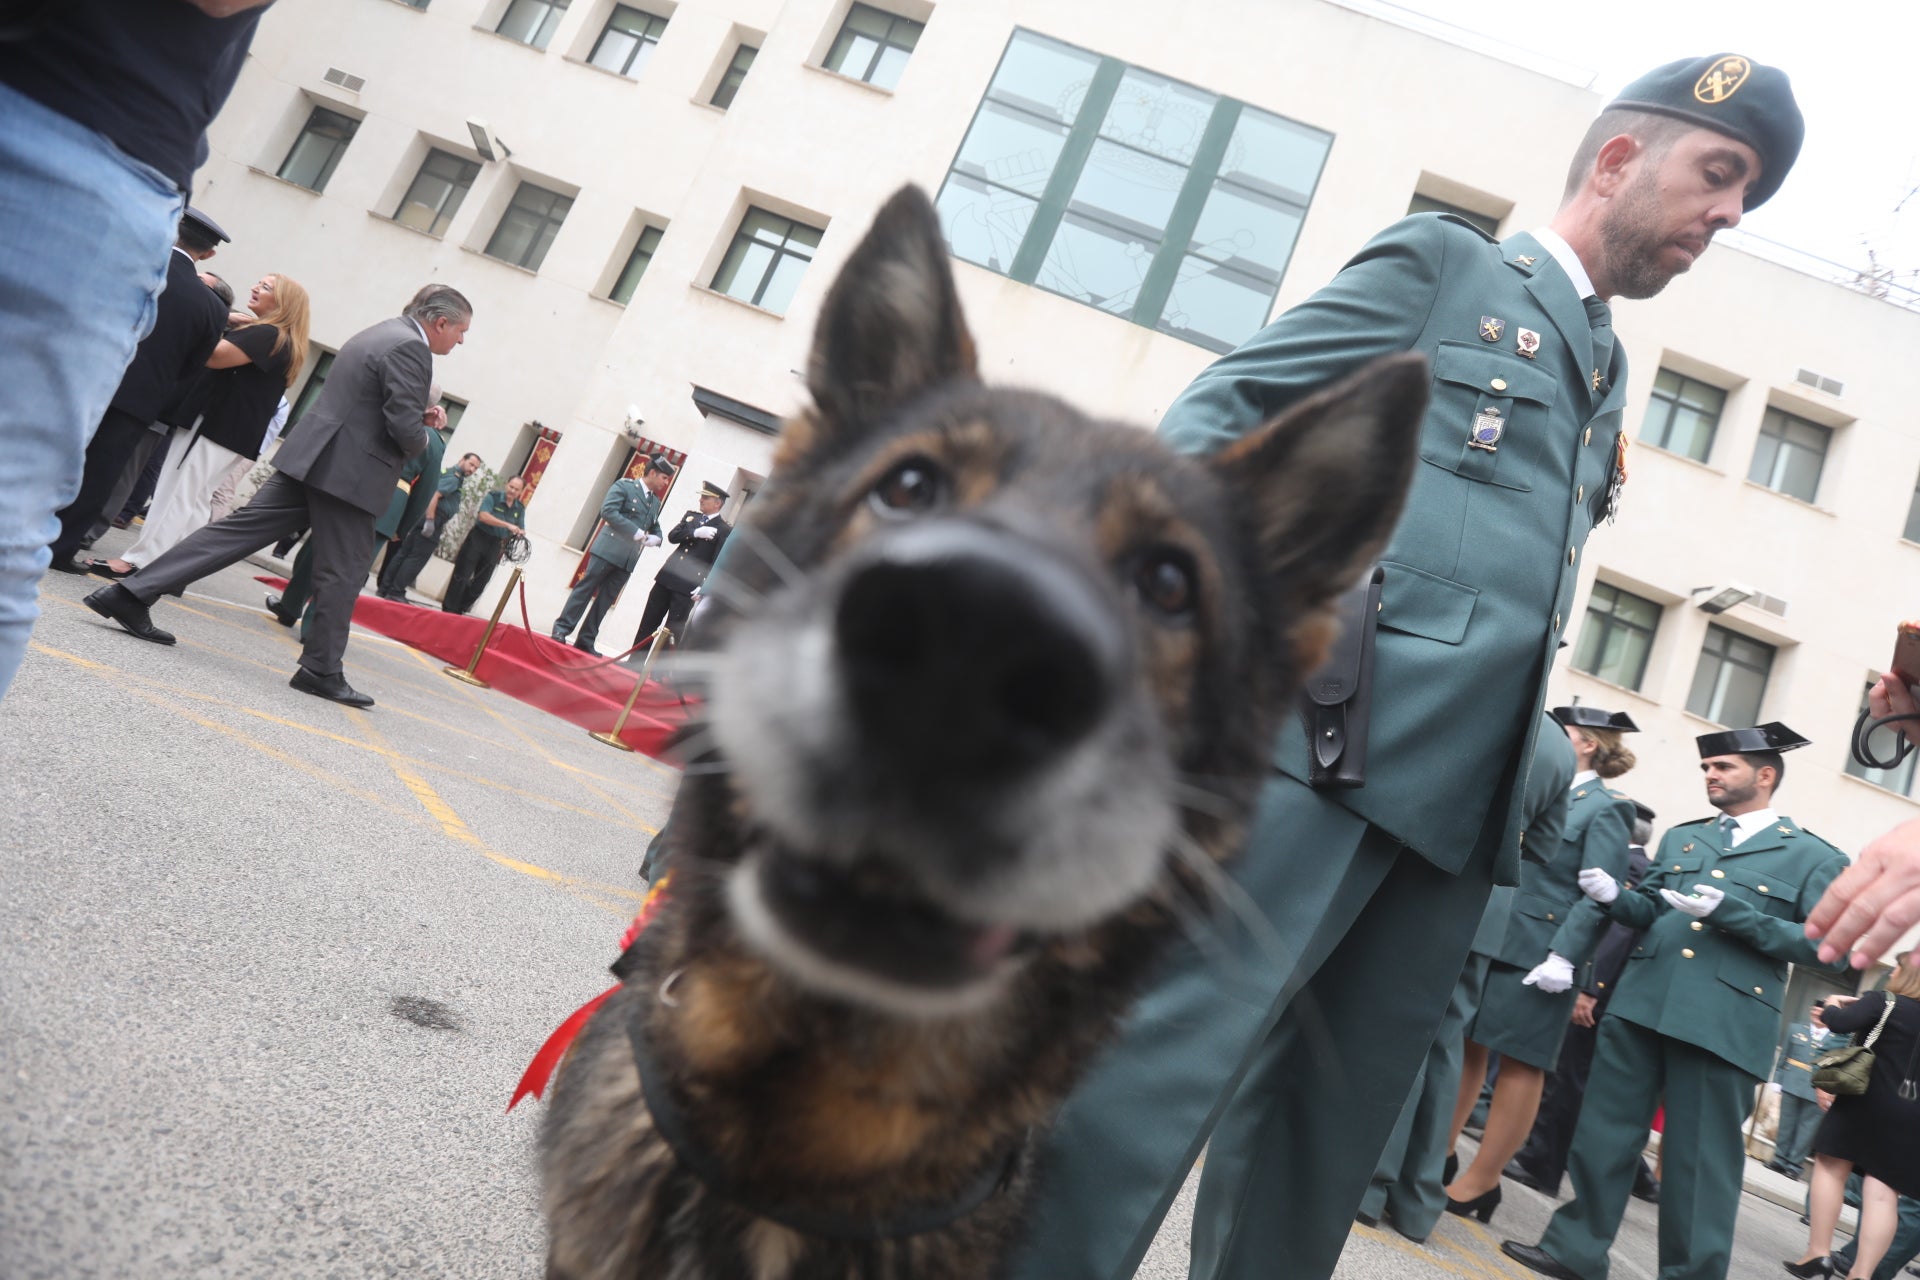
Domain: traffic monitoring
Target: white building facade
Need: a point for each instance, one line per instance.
(646, 203)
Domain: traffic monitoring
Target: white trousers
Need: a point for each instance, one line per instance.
(225, 492)
(181, 499)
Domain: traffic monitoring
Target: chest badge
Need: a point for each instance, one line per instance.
(1488, 427)
(1491, 327)
(1527, 343)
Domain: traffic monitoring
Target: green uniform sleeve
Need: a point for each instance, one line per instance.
(1604, 846)
(1378, 304)
(615, 518)
(1781, 938)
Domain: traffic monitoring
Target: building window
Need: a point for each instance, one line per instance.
(628, 41)
(527, 228)
(317, 151)
(442, 183)
(322, 366)
(768, 256)
(1152, 200)
(1790, 454)
(637, 261)
(1731, 679)
(1913, 515)
(532, 21)
(455, 410)
(415, 4)
(1882, 745)
(873, 46)
(1682, 415)
(1427, 204)
(1618, 636)
(734, 75)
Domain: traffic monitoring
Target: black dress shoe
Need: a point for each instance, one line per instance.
(1366, 1219)
(1820, 1266)
(1450, 1170)
(1526, 1177)
(124, 607)
(1647, 1189)
(69, 565)
(1480, 1207)
(333, 688)
(586, 648)
(1535, 1258)
(273, 607)
(103, 569)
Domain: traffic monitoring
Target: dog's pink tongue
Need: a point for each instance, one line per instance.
(991, 945)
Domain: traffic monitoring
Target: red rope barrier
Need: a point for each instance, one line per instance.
(537, 636)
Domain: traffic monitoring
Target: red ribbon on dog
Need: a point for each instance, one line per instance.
(533, 1081)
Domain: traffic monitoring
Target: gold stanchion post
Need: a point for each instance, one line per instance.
(466, 674)
(612, 738)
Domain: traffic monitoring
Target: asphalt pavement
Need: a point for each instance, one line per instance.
(269, 968)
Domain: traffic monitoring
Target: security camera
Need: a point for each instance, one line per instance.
(634, 420)
(486, 142)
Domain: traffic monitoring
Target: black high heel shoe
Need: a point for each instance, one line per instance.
(1480, 1207)
(1820, 1266)
(1450, 1170)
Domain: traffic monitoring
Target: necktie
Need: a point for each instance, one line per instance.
(1600, 321)
(1729, 831)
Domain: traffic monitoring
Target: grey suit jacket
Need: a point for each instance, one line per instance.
(352, 443)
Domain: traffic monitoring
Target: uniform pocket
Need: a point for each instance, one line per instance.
(1424, 604)
(1767, 893)
(1489, 414)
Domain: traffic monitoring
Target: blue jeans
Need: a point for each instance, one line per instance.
(88, 230)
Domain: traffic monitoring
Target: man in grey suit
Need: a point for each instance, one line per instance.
(629, 520)
(335, 472)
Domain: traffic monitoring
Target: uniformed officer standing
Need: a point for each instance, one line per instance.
(422, 536)
(629, 520)
(699, 536)
(1692, 1023)
(1376, 891)
(497, 520)
(1799, 1109)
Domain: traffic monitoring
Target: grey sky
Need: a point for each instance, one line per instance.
(1853, 71)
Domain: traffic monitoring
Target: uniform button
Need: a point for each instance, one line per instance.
(1587, 438)
(1718, 874)
(1676, 866)
(1549, 915)
(1556, 622)
(1763, 888)
(1757, 991)
(1696, 926)
(1579, 492)
(1571, 552)
(1498, 384)
(1687, 952)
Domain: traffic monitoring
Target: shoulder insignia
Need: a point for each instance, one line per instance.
(1580, 795)
(1525, 259)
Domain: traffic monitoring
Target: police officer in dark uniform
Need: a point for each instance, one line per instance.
(698, 537)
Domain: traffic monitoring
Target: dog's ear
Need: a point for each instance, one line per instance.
(1324, 482)
(891, 326)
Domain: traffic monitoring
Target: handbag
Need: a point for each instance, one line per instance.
(1844, 1072)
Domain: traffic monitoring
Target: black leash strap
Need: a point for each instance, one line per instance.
(672, 1127)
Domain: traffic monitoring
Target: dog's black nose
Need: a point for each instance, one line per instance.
(971, 650)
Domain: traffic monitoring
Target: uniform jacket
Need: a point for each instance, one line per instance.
(1480, 571)
(187, 324)
(686, 569)
(355, 438)
(1718, 983)
(1797, 1054)
(628, 508)
(1549, 911)
(408, 505)
(1547, 785)
(1616, 941)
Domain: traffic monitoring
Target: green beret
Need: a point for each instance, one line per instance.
(1732, 95)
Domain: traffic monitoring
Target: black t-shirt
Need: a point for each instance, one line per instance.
(241, 401)
(149, 74)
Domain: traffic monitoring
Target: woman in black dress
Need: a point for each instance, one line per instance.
(1877, 1132)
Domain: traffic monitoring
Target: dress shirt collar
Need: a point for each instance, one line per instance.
(1748, 825)
(417, 329)
(1582, 778)
(1569, 261)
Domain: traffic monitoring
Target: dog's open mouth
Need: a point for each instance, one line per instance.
(868, 919)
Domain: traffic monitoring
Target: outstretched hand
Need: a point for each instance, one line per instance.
(1874, 901)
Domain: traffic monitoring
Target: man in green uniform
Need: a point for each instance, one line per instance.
(1692, 1022)
(1287, 1051)
(498, 519)
(1799, 1109)
(629, 521)
(422, 537)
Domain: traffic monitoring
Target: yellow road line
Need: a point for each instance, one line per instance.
(1394, 1240)
(1505, 1267)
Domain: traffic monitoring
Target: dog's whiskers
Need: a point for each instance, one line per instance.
(770, 553)
(732, 592)
(1201, 800)
(1228, 893)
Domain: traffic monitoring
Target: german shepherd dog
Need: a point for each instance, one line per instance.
(993, 700)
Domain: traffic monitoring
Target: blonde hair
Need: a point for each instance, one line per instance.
(1905, 978)
(291, 314)
(1611, 757)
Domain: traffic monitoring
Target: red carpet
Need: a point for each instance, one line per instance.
(536, 669)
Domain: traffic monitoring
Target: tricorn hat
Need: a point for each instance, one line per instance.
(1643, 811)
(1732, 95)
(1772, 736)
(1594, 718)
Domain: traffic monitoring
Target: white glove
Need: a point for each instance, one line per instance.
(1705, 898)
(1773, 1086)
(426, 528)
(706, 533)
(650, 540)
(639, 535)
(1552, 975)
(1598, 885)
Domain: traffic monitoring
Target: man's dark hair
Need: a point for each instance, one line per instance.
(476, 457)
(1768, 760)
(439, 302)
(1656, 132)
(195, 238)
(221, 290)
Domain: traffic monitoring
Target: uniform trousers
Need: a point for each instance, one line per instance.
(342, 541)
(109, 454)
(593, 595)
(1291, 1051)
(670, 607)
(1707, 1100)
(1799, 1118)
(473, 566)
(182, 500)
(399, 571)
(1406, 1180)
(140, 473)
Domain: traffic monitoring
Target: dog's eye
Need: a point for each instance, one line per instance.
(1165, 581)
(910, 487)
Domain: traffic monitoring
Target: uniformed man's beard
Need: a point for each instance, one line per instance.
(1731, 797)
(1631, 240)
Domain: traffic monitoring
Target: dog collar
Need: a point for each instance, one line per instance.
(671, 1124)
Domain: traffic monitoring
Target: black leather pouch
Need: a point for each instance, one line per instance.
(1336, 701)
